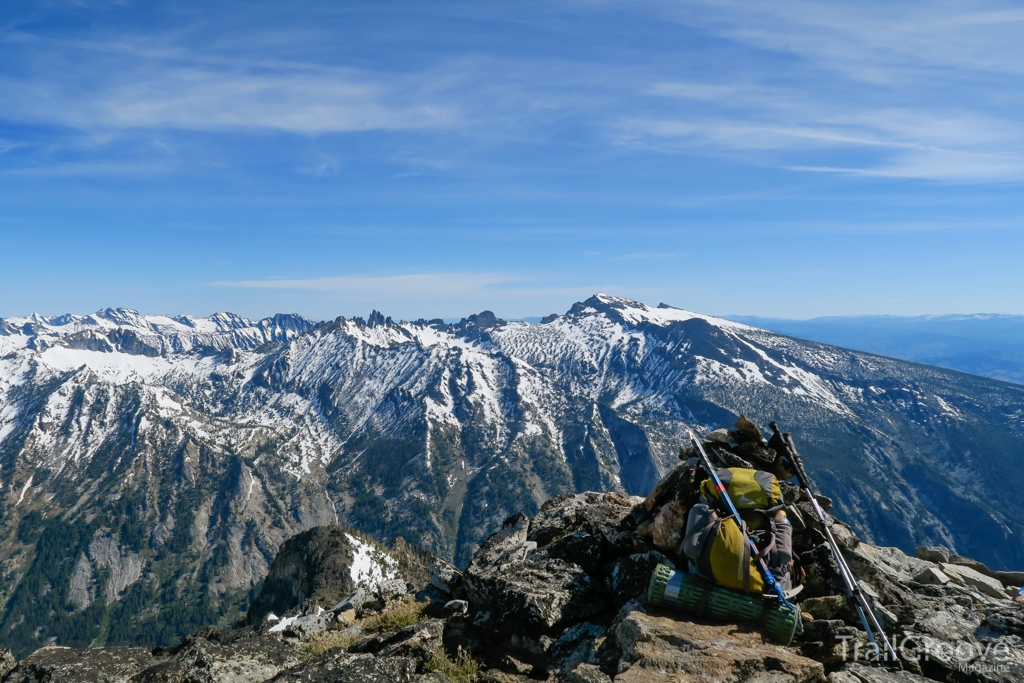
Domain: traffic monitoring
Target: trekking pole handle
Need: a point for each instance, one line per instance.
(798, 462)
(853, 588)
(791, 454)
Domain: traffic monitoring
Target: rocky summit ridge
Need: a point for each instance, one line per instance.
(559, 597)
(152, 466)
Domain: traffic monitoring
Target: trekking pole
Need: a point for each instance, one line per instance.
(768, 577)
(853, 589)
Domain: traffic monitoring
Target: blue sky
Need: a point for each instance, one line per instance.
(787, 159)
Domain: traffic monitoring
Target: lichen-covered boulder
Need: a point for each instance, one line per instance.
(419, 641)
(704, 653)
(68, 665)
(221, 657)
(514, 588)
(342, 667)
(606, 518)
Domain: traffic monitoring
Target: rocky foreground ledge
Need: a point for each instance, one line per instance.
(559, 598)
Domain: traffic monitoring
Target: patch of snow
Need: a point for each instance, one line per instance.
(25, 488)
(252, 483)
(165, 401)
(6, 429)
(370, 565)
(948, 409)
(117, 367)
(282, 624)
(810, 384)
(635, 312)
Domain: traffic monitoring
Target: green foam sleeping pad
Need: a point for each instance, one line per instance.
(693, 595)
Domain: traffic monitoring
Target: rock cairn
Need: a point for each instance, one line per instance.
(559, 597)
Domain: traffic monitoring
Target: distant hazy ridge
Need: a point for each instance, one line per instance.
(983, 344)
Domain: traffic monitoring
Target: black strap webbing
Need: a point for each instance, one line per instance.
(702, 604)
(746, 556)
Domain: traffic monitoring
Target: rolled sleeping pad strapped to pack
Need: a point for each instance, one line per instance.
(690, 594)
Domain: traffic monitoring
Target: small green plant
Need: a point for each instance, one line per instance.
(398, 614)
(463, 669)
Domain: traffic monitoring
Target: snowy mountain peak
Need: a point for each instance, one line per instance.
(122, 317)
(634, 313)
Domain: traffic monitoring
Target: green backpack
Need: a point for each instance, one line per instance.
(717, 544)
(751, 491)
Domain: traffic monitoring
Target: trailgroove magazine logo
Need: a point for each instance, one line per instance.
(979, 658)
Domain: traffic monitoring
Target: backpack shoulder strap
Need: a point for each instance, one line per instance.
(746, 556)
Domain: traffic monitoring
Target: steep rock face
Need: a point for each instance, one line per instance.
(323, 565)
(196, 446)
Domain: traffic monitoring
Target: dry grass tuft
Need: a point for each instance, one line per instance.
(323, 641)
(398, 614)
(463, 669)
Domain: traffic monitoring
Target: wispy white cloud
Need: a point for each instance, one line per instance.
(95, 168)
(945, 141)
(801, 112)
(936, 164)
(908, 90)
(735, 93)
(899, 86)
(199, 99)
(870, 40)
(933, 149)
(644, 256)
(421, 284)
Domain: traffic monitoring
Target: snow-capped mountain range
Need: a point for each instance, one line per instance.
(151, 466)
(124, 330)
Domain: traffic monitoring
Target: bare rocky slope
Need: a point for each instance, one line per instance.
(560, 597)
(151, 467)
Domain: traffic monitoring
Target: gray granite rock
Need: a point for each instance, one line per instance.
(933, 553)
